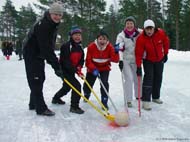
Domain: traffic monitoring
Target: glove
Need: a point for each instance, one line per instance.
(165, 58)
(59, 73)
(116, 47)
(95, 72)
(139, 71)
(121, 65)
(79, 72)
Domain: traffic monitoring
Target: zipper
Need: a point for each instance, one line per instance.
(154, 47)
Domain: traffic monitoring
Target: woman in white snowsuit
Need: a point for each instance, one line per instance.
(126, 41)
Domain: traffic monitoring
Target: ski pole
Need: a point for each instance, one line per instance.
(99, 101)
(107, 116)
(107, 93)
(139, 95)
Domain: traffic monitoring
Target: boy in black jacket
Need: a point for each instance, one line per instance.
(71, 60)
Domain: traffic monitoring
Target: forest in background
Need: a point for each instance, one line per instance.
(91, 16)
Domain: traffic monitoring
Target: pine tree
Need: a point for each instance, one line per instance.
(154, 12)
(127, 9)
(26, 18)
(8, 21)
(136, 8)
(112, 24)
(87, 14)
(173, 21)
(184, 27)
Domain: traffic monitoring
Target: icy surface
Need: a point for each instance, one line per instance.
(167, 122)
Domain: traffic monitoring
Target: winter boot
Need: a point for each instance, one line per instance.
(77, 110)
(146, 106)
(158, 101)
(104, 101)
(106, 106)
(47, 112)
(58, 101)
(129, 104)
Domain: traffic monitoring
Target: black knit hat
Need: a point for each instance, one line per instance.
(131, 18)
(102, 33)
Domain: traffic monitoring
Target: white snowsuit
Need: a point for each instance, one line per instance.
(127, 55)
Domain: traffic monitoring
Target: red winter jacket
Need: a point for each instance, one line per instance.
(151, 48)
(100, 59)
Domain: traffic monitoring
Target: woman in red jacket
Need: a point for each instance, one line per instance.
(151, 47)
(99, 55)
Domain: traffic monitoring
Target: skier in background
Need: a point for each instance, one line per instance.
(7, 49)
(19, 49)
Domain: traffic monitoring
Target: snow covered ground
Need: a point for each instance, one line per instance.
(167, 122)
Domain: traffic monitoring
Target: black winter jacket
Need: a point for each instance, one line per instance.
(40, 41)
(71, 57)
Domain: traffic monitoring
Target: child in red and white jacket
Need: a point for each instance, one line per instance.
(100, 54)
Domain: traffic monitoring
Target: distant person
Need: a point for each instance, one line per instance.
(10, 48)
(151, 48)
(19, 49)
(126, 41)
(7, 49)
(71, 60)
(39, 46)
(100, 54)
(3, 48)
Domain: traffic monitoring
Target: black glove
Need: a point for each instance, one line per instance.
(139, 71)
(165, 58)
(121, 65)
(59, 73)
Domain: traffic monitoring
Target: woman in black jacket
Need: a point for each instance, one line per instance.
(38, 47)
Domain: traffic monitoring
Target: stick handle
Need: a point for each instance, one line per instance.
(95, 95)
(139, 95)
(107, 93)
(107, 116)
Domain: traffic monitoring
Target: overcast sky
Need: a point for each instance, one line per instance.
(19, 3)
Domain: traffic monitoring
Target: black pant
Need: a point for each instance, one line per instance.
(36, 77)
(75, 98)
(20, 55)
(91, 80)
(152, 80)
